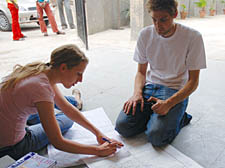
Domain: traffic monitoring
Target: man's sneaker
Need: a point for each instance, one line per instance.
(45, 34)
(186, 119)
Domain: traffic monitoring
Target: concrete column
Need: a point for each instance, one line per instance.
(139, 17)
(116, 14)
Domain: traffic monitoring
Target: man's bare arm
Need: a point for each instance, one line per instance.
(162, 107)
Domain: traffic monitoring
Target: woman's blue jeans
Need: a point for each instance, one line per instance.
(160, 130)
(35, 138)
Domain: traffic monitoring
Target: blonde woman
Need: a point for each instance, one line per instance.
(32, 89)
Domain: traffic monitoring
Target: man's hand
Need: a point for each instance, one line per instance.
(132, 103)
(161, 107)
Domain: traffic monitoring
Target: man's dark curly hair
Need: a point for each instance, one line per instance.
(162, 5)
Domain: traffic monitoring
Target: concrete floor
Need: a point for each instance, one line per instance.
(109, 78)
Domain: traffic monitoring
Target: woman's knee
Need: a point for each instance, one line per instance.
(68, 123)
(65, 123)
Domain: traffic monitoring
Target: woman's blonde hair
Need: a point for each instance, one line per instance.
(68, 54)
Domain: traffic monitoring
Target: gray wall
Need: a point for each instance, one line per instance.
(106, 14)
(124, 16)
(139, 17)
(110, 14)
(99, 15)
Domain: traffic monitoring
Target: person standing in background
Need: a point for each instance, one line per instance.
(66, 4)
(44, 5)
(14, 10)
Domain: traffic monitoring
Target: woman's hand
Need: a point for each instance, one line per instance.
(106, 149)
(132, 103)
(108, 146)
(101, 138)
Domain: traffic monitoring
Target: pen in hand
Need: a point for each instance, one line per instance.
(104, 139)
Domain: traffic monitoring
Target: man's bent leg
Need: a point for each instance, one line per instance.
(161, 130)
(130, 125)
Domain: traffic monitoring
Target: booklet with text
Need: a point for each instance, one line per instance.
(33, 160)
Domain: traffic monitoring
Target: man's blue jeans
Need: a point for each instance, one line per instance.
(160, 130)
(66, 4)
(35, 138)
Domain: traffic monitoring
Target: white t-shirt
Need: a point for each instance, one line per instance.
(170, 58)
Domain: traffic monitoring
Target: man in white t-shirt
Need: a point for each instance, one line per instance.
(174, 54)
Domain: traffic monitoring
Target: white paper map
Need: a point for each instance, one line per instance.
(137, 153)
(81, 135)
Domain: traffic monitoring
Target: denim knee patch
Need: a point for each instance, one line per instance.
(129, 125)
(64, 122)
(161, 138)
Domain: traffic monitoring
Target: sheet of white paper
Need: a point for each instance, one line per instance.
(136, 153)
(79, 134)
(143, 155)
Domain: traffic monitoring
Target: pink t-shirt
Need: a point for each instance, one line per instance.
(18, 103)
